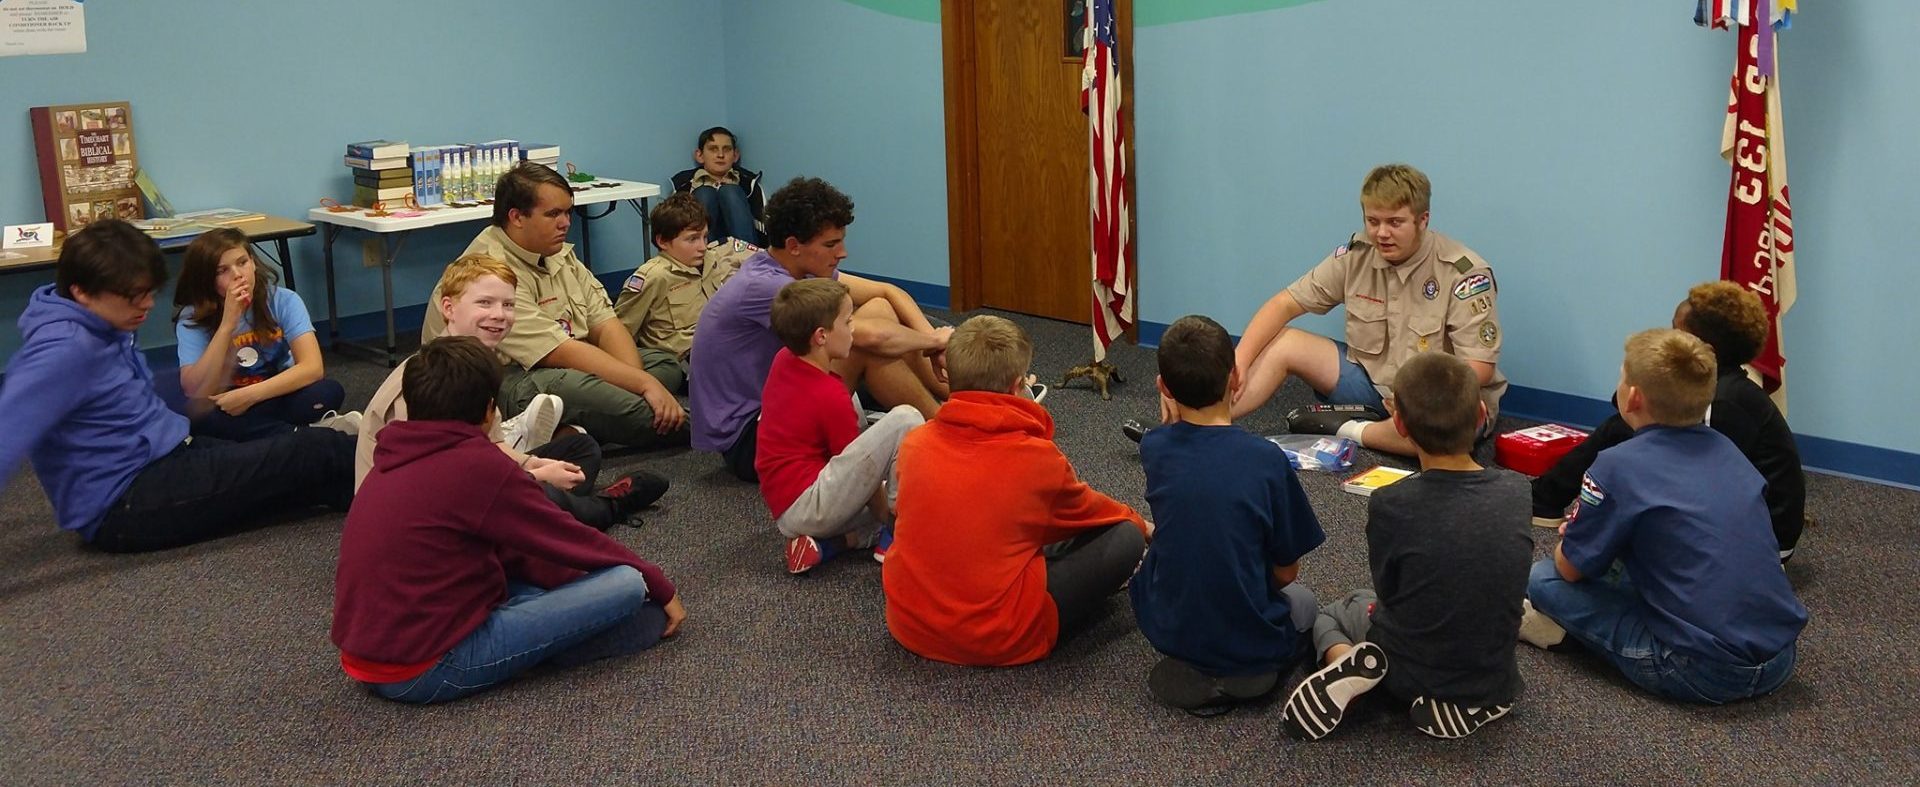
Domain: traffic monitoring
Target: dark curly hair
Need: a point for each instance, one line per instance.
(803, 209)
(1729, 318)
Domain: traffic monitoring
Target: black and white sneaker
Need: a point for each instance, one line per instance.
(1317, 704)
(1443, 719)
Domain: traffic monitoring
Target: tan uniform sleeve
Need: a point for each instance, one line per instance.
(386, 407)
(638, 298)
(1325, 286)
(1473, 315)
(724, 258)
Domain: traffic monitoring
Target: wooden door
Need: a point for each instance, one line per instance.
(1017, 155)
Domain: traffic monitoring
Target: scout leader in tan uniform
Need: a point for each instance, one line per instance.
(661, 302)
(565, 339)
(1407, 290)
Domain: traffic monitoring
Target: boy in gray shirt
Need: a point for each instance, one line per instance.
(1449, 550)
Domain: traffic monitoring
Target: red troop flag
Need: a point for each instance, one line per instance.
(1758, 248)
(1100, 97)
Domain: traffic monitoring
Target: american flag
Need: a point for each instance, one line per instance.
(1106, 149)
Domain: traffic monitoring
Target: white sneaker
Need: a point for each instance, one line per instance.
(1539, 630)
(346, 423)
(534, 426)
(1038, 391)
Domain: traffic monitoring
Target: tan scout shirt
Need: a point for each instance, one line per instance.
(701, 177)
(661, 301)
(387, 407)
(557, 299)
(1442, 298)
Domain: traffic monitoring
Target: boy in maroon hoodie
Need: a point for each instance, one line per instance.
(457, 573)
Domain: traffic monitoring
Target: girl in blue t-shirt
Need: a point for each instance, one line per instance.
(249, 360)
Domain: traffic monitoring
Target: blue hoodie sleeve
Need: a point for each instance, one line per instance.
(38, 370)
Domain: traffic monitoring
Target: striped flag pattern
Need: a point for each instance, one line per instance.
(1113, 307)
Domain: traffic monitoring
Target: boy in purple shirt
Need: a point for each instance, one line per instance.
(896, 353)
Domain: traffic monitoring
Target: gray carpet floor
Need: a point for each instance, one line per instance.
(212, 664)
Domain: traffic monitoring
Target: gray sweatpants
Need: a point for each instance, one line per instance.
(836, 503)
(1343, 622)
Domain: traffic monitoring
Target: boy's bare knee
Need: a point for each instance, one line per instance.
(876, 309)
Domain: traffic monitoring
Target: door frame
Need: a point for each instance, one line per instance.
(959, 67)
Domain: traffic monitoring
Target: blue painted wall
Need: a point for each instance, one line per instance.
(1576, 150)
(252, 104)
(829, 89)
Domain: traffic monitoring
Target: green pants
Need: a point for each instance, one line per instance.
(608, 412)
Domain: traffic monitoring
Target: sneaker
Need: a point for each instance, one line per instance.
(1538, 630)
(1038, 391)
(806, 552)
(1177, 684)
(1133, 429)
(629, 495)
(534, 426)
(1549, 522)
(882, 541)
(1318, 703)
(1443, 719)
(1328, 418)
(345, 423)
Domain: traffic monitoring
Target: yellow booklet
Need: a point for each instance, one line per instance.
(1364, 483)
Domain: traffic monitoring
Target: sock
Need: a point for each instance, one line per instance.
(1352, 429)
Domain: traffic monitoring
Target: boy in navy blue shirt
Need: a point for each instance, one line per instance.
(1448, 550)
(1668, 566)
(1216, 592)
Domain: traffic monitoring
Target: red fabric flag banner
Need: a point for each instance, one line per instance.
(1100, 98)
(1758, 248)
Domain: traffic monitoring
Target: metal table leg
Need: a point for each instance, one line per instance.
(328, 232)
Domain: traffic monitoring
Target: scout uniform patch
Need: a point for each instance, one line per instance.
(1472, 285)
(635, 283)
(1590, 492)
(1489, 334)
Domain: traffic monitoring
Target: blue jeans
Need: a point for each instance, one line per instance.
(1354, 386)
(728, 214)
(603, 614)
(1607, 615)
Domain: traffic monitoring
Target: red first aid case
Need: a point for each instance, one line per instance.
(1534, 450)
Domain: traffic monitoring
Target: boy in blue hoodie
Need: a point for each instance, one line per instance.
(116, 463)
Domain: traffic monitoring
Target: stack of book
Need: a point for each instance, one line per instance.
(541, 153)
(381, 172)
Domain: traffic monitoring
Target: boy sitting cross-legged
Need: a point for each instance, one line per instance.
(456, 573)
(999, 548)
(1447, 548)
(660, 303)
(825, 482)
(1217, 593)
(1668, 566)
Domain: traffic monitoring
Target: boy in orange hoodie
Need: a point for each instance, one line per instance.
(999, 548)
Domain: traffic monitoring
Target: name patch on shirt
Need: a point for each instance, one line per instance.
(1472, 285)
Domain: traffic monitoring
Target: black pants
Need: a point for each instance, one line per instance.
(208, 488)
(582, 450)
(278, 415)
(1084, 570)
(740, 455)
(1555, 489)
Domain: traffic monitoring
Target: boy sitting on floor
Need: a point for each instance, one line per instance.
(1217, 593)
(825, 482)
(477, 295)
(456, 573)
(1731, 320)
(999, 548)
(1668, 566)
(661, 301)
(1447, 549)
